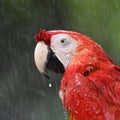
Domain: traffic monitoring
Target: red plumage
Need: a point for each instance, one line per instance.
(90, 87)
(92, 93)
(43, 35)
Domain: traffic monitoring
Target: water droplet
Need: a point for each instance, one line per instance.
(78, 103)
(50, 85)
(66, 115)
(85, 95)
(97, 112)
(76, 112)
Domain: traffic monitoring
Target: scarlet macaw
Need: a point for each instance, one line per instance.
(90, 87)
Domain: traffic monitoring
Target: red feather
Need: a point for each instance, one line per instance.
(43, 35)
(90, 87)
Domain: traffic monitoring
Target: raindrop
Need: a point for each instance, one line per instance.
(85, 95)
(78, 103)
(76, 112)
(50, 85)
(66, 115)
(97, 111)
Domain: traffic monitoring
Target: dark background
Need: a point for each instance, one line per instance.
(24, 93)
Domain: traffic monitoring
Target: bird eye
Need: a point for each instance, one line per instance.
(63, 40)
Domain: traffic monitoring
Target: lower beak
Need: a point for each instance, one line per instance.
(53, 63)
(46, 59)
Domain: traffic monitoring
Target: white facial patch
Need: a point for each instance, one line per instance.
(64, 47)
(40, 55)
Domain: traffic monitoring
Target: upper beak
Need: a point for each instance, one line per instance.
(46, 59)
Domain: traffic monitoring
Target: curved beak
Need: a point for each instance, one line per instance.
(46, 59)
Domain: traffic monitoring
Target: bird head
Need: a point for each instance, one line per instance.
(56, 49)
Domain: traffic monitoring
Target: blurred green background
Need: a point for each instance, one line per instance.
(24, 93)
